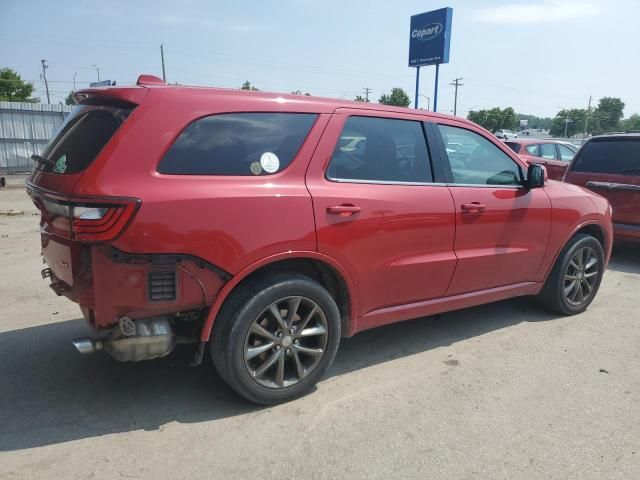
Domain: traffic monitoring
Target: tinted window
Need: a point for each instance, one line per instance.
(566, 153)
(514, 146)
(238, 144)
(381, 149)
(533, 150)
(548, 151)
(82, 136)
(476, 160)
(619, 156)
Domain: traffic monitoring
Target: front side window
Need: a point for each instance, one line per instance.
(474, 160)
(620, 156)
(516, 147)
(566, 154)
(533, 150)
(238, 144)
(381, 149)
(548, 151)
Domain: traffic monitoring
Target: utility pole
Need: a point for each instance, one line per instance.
(74, 81)
(367, 90)
(566, 123)
(586, 117)
(97, 70)
(44, 77)
(456, 83)
(164, 77)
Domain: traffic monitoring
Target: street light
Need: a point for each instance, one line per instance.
(428, 101)
(97, 70)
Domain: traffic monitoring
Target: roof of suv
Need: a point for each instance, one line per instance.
(321, 104)
(633, 134)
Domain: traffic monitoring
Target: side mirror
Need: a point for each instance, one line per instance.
(536, 176)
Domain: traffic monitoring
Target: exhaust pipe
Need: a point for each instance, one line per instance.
(86, 345)
(148, 338)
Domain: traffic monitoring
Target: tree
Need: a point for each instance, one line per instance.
(70, 100)
(299, 92)
(14, 89)
(247, 86)
(536, 122)
(631, 123)
(398, 97)
(495, 118)
(360, 98)
(607, 115)
(568, 122)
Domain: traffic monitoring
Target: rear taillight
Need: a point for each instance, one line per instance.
(86, 219)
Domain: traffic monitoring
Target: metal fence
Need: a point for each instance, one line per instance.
(25, 129)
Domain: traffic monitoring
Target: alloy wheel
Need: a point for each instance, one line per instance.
(581, 276)
(286, 342)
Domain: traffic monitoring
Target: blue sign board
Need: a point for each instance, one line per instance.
(430, 36)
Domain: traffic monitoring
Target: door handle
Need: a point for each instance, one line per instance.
(343, 210)
(473, 207)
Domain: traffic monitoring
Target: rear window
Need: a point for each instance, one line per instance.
(238, 144)
(616, 156)
(82, 136)
(514, 146)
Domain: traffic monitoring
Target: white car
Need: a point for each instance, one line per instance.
(505, 134)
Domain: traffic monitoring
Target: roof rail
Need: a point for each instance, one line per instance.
(150, 80)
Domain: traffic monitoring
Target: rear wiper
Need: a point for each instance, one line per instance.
(41, 159)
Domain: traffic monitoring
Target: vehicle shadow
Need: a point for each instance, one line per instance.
(625, 258)
(50, 394)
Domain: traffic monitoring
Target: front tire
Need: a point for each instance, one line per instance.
(575, 278)
(275, 337)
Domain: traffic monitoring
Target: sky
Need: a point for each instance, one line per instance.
(537, 56)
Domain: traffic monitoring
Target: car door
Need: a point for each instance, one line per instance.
(502, 228)
(378, 210)
(551, 160)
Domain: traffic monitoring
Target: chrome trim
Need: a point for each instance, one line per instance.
(614, 186)
(483, 185)
(385, 182)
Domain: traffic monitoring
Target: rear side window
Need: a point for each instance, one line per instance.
(82, 136)
(616, 155)
(548, 151)
(238, 144)
(381, 149)
(566, 153)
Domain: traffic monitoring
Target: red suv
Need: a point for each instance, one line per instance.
(610, 165)
(554, 155)
(269, 226)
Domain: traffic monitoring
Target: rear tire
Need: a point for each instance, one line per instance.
(575, 277)
(275, 337)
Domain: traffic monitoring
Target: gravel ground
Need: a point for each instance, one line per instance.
(505, 390)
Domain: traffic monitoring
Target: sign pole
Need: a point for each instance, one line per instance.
(417, 86)
(435, 93)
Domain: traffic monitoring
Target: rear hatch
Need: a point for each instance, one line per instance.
(69, 222)
(610, 166)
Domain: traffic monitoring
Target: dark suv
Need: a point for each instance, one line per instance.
(610, 166)
(268, 226)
